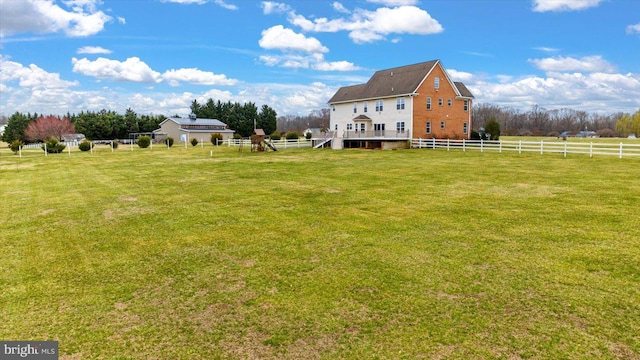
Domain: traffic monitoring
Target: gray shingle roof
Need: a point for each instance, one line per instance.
(391, 82)
(187, 121)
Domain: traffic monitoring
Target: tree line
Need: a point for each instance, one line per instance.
(538, 121)
(108, 124)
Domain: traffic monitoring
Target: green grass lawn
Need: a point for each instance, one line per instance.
(306, 254)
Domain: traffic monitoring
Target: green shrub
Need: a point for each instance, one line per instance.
(15, 146)
(114, 144)
(194, 141)
(292, 135)
(144, 141)
(276, 136)
(237, 136)
(216, 138)
(53, 146)
(84, 146)
(308, 135)
(169, 141)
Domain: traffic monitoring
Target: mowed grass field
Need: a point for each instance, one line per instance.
(321, 254)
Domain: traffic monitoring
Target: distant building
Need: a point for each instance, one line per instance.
(185, 129)
(398, 104)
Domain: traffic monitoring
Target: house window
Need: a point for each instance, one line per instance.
(362, 127)
(400, 104)
(366, 105)
(428, 127)
(355, 108)
(440, 102)
(436, 83)
(442, 124)
(378, 105)
(334, 108)
(378, 129)
(349, 126)
(465, 128)
(449, 102)
(429, 103)
(336, 127)
(466, 105)
(400, 126)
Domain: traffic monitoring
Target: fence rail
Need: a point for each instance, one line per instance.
(609, 149)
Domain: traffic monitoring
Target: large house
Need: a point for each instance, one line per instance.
(396, 105)
(185, 129)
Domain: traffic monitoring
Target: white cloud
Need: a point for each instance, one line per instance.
(196, 76)
(32, 76)
(546, 49)
(585, 64)
(312, 61)
(368, 26)
(220, 3)
(340, 8)
(225, 5)
(93, 50)
(271, 7)
(122, 20)
(631, 29)
(563, 5)
(592, 92)
(132, 69)
(45, 16)
(281, 38)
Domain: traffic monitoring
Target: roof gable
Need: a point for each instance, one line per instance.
(389, 82)
(403, 80)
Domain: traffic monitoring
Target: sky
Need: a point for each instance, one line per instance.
(157, 56)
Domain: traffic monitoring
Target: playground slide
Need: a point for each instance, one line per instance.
(271, 146)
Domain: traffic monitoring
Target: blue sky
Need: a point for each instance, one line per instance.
(157, 56)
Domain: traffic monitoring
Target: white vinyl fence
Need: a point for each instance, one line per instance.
(610, 149)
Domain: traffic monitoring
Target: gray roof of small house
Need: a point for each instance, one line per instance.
(187, 121)
(392, 82)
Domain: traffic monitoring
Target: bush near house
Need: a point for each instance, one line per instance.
(84, 146)
(15, 146)
(169, 141)
(216, 138)
(144, 141)
(292, 135)
(275, 136)
(194, 141)
(53, 146)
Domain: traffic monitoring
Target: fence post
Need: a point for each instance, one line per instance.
(20, 151)
(620, 151)
(69, 150)
(111, 145)
(541, 147)
(45, 149)
(464, 146)
(519, 147)
(131, 144)
(447, 144)
(500, 146)
(565, 149)
(201, 143)
(91, 147)
(590, 149)
(434, 142)
(481, 145)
